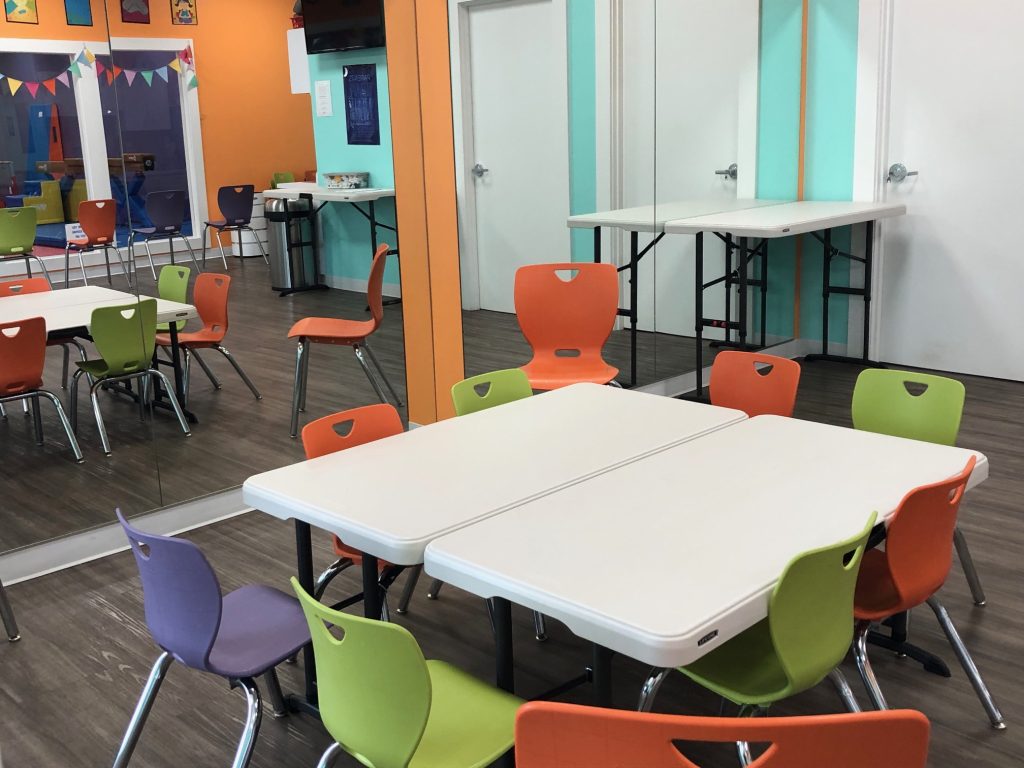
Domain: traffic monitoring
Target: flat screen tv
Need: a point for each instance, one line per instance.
(343, 25)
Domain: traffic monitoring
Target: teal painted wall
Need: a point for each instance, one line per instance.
(346, 234)
(582, 119)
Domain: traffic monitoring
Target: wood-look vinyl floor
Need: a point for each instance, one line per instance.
(68, 689)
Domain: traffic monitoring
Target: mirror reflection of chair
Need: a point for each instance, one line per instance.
(18, 236)
(567, 322)
(22, 356)
(98, 219)
(349, 333)
(235, 205)
(210, 296)
(7, 616)
(125, 336)
(167, 212)
(754, 383)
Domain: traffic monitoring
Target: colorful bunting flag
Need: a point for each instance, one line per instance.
(33, 88)
(63, 77)
(110, 77)
(13, 84)
(163, 73)
(147, 75)
(194, 83)
(89, 56)
(117, 71)
(51, 85)
(75, 71)
(100, 69)
(129, 75)
(175, 65)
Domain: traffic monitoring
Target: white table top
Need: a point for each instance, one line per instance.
(652, 218)
(392, 497)
(785, 220)
(292, 191)
(71, 308)
(654, 556)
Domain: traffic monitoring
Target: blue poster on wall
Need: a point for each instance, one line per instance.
(362, 114)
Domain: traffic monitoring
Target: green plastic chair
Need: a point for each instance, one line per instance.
(388, 707)
(500, 387)
(806, 635)
(281, 177)
(125, 337)
(172, 285)
(18, 235)
(882, 403)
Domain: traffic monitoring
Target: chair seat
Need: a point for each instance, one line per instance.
(341, 549)
(745, 670)
(222, 224)
(470, 724)
(153, 231)
(548, 374)
(30, 386)
(7, 253)
(259, 628)
(330, 330)
(81, 243)
(194, 339)
(877, 597)
(95, 368)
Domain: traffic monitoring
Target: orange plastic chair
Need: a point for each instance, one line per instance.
(338, 432)
(757, 384)
(568, 736)
(210, 295)
(24, 287)
(98, 219)
(567, 322)
(910, 571)
(22, 355)
(349, 333)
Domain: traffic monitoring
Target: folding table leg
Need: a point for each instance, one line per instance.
(304, 573)
(501, 610)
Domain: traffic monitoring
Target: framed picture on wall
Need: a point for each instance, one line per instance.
(78, 13)
(184, 12)
(22, 11)
(135, 11)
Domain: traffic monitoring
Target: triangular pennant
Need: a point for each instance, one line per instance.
(63, 77)
(100, 69)
(129, 75)
(74, 70)
(13, 84)
(117, 71)
(194, 82)
(81, 58)
(175, 65)
(110, 77)
(147, 75)
(186, 55)
(163, 73)
(51, 85)
(33, 88)
(89, 57)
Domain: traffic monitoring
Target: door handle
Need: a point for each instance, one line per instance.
(731, 172)
(479, 170)
(898, 172)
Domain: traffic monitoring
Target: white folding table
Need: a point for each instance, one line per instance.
(665, 558)
(651, 219)
(391, 498)
(785, 220)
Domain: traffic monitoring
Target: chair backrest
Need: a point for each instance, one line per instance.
(24, 286)
(882, 403)
(210, 295)
(374, 689)
(757, 384)
(281, 177)
(180, 592)
(172, 285)
(550, 735)
(167, 209)
(22, 356)
(568, 316)
(919, 537)
(348, 429)
(125, 336)
(375, 285)
(17, 230)
(498, 388)
(99, 220)
(235, 204)
(810, 612)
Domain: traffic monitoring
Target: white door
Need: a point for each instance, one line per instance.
(516, 51)
(952, 274)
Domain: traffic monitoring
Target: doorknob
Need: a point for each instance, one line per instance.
(479, 170)
(732, 171)
(898, 172)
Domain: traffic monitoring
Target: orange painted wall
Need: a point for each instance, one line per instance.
(252, 123)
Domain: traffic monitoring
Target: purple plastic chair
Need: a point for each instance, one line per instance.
(166, 211)
(240, 636)
(235, 205)
(7, 614)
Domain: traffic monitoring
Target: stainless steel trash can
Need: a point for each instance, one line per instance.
(291, 246)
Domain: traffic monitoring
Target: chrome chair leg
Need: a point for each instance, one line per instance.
(539, 627)
(149, 253)
(325, 578)
(297, 389)
(369, 373)
(3, 412)
(307, 355)
(73, 400)
(867, 674)
(98, 414)
(327, 759)
(65, 423)
(387, 383)
(239, 371)
(190, 251)
(120, 258)
(67, 266)
(174, 400)
(223, 258)
(186, 374)
(142, 709)
(967, 563)
(206, 238)
(42, 268)
(37, 419)
(259, 244)
(106, 259)
(7, 616)
(435, 589)
(64, 365)
(253, 717)
(843, 689)
(650, 688)
(409, 589)
(970, 668)
(81, 265)
(277, 702)
(206, 369)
